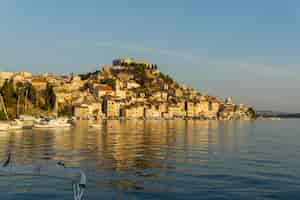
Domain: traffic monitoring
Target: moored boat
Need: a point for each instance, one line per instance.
(11, 125)
(53, 123)
(95, 125)
(4, 127)
(16, 125)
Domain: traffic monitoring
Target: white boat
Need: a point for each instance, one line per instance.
(11, 125)
(275, 118)
(15, 125)
(53, 123)
(4, 127)
(29, 120)
(95, 125)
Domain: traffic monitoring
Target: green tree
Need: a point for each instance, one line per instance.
(251, 113)
(32, 94)
(8, 93)
(2, 115)
(87, 76)
(110, 82)
(166, 78)
(49, 98)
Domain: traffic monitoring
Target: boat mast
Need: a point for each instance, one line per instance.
(25, 101)
(3, 106)
(18, 103)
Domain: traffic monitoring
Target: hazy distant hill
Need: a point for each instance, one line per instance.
(266, 113)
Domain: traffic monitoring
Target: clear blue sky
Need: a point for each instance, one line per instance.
(245, 49)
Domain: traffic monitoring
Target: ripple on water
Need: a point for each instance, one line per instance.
(162, 160)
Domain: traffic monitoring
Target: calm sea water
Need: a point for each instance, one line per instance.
(162, 160)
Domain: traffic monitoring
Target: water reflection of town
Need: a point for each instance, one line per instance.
(121, 145)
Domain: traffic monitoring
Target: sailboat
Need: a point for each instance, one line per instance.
(9, 125)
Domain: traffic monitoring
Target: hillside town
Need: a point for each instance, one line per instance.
(128, 89)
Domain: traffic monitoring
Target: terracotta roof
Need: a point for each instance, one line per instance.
(37, 80)
(104, 88)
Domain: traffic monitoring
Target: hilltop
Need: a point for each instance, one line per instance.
(127, 89)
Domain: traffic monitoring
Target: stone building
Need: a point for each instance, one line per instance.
(111, 107)
(133, 111)
(189, 107)
(151, 112)
(39, 83)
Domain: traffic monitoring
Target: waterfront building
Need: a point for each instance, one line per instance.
(135, 111)
(81, 111)
(227, 111)
(151, 112)
(214, 108)
(175, 110)
(111, 107)
(240, 111)
(189, 109)
(201, 107)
